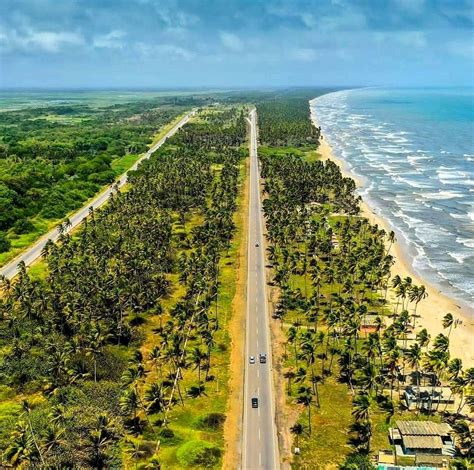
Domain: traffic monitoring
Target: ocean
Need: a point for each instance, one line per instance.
(413, 150)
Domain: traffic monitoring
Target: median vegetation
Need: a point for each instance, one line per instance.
(118, 355)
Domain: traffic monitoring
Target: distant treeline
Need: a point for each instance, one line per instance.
(284, 119)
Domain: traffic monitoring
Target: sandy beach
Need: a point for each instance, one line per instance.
(432, 309)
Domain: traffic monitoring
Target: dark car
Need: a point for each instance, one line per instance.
(263, 358)
(254, 402)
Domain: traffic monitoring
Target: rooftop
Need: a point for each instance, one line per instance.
(423, 428)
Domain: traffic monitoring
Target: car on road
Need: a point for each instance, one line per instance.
(252, 359)
(257, 245)
(254, 402)
(263, 358)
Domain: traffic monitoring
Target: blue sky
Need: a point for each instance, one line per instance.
(225, 43)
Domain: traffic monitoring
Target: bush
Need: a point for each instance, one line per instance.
(357, 462)
(23, 226)
(212, 421)
(4, 243)
(166, 433)
(198, 453)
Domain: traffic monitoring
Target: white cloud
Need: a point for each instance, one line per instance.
(231, 41)
(303, 54)
(413, 39)
(170, 50)
(47, 41)
(111, 40)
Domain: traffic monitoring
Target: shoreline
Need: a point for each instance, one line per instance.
(431, 310)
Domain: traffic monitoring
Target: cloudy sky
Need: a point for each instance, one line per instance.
(182, 43)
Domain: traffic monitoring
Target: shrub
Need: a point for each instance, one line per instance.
(167, 433)
(23, 226)
(198, 453)
(212, 421)
(4, 243)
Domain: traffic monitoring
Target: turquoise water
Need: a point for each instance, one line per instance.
(414, 152)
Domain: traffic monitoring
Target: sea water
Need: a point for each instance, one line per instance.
(413, 150)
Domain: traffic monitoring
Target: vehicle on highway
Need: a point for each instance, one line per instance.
(257, 245)
(263, 358)
(252, 359)
(254, 402)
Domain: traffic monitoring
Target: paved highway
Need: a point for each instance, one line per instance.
(32, 253)
(260, 445)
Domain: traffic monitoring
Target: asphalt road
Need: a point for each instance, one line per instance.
(31, 254)
(259, 444)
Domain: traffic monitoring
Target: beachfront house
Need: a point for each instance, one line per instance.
(369, 323)
(424, 441)
(428, 398)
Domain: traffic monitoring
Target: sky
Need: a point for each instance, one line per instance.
(235, 43)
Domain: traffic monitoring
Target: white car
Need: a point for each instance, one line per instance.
(252, 359)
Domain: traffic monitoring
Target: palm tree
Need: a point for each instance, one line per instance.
(290, 375)
(27, 412)
(100, 438)
(297, 430)
(448, 321)
(21, 449)
(197, 357)
(361, 412)
(417, 294)
(53, 438)
(414, 355)
(361, 407)
(305, 398)
(154, 398)
(134, 450)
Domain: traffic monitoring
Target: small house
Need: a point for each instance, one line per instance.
(428, 398)
(369, 323)
(422, 440)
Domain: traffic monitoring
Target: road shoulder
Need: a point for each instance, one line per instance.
(234, 413)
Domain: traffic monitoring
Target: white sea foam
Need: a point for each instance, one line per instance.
(425, 187)
(441, 195)
(459, 257)
(468, 242)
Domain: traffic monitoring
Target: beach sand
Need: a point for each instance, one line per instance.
(432, 309)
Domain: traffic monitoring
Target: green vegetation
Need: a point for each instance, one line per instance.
(115, 350)
(54, 158)
(346, 353)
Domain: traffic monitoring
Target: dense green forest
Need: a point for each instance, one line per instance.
(53, 158)
(332, 271)
(118, 352)
(284, 119)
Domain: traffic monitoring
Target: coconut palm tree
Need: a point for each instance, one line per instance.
(297, 430)
(305, 398)
(448, 321)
